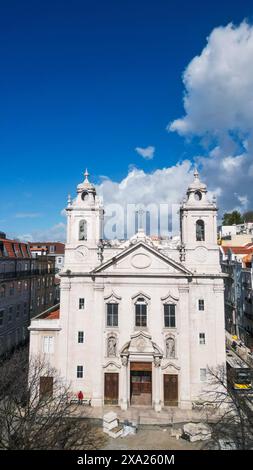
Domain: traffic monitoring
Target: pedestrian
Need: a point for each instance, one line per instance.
(80, 397)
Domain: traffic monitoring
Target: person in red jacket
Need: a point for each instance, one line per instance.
(80, 397)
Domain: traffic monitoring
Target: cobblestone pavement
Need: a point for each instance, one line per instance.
(151, 439)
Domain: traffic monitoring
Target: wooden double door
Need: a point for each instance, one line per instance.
(170, 387)
(141, 383)
(111, 388)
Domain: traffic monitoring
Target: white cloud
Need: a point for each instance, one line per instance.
(218, 85)
(147, 152)
(166, 185)
(218, 105)
(27, 215)
(55, 233)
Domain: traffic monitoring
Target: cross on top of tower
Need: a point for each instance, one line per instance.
(196, 174)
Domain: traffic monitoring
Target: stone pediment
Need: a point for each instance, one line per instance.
(141, 344)
(142, 259)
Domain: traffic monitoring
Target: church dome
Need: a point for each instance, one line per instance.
(197, 184)
(86, 185)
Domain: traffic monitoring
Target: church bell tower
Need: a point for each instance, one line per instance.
(85, 215)
(199, 229)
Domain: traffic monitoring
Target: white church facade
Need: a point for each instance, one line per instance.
(142, 320)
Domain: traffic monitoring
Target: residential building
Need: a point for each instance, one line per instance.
(52, 249)
(26, 289)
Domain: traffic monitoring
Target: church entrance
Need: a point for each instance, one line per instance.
(111, 392)
(170, 387)
(140, 383)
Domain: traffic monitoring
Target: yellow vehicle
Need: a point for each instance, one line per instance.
(239, 374)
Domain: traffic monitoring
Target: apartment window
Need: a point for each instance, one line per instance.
(80, 337)
(112, 315)
(202, 338)
(1, 317)
(19, 286)
(140, 312)
(11, 288)
(10, 314)
(38, 282)
(202, 375)
(42, 300)
(38, 301)
(26, 266)
(81, 304)
(17, 311)
(169, 315)
(201, 304)
(25, 309)
(2, 291)
(79, 372)
(51, 249)
(48, 344)
(59, 260)
(50, 296)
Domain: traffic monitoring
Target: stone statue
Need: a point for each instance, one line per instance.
(170, 347)
(111, 346)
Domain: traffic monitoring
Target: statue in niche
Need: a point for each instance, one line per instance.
(170, 347)
(111, 346)
(83, 230)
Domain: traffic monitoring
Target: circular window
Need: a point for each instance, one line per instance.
(197, 196)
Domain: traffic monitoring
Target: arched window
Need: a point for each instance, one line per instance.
(200, 231)
(140, 312)
(2, 291)
(83, 230)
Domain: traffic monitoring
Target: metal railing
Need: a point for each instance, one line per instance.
(26, 274)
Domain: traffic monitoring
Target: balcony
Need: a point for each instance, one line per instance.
(27, 274)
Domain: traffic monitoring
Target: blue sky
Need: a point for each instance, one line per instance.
(83, 83)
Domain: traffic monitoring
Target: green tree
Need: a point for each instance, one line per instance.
(230, 218)
(248, 216)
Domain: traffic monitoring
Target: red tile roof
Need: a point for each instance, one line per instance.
(59, 247)
(53, 315)
(15, 249)
(238, 250)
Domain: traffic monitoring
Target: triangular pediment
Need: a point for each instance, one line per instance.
(142, 258)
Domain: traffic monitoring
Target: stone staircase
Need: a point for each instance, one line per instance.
(111, 425)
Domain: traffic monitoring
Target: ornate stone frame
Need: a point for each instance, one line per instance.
(147, 300)
(112, 298)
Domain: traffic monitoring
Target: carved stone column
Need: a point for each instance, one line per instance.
(124, 400)
(157, 379)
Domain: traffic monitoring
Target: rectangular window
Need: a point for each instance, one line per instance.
(51, 248)
(201, 304)
(112, 314)
(19, 286)
(79, 372)
(48, 344)
(81, 304)
(169, 315)
(140, 314)
(1, 317)
(10, 314)
(11, 288)
(17, 310)
(202, 375)
(202, 338)
(80, 337)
